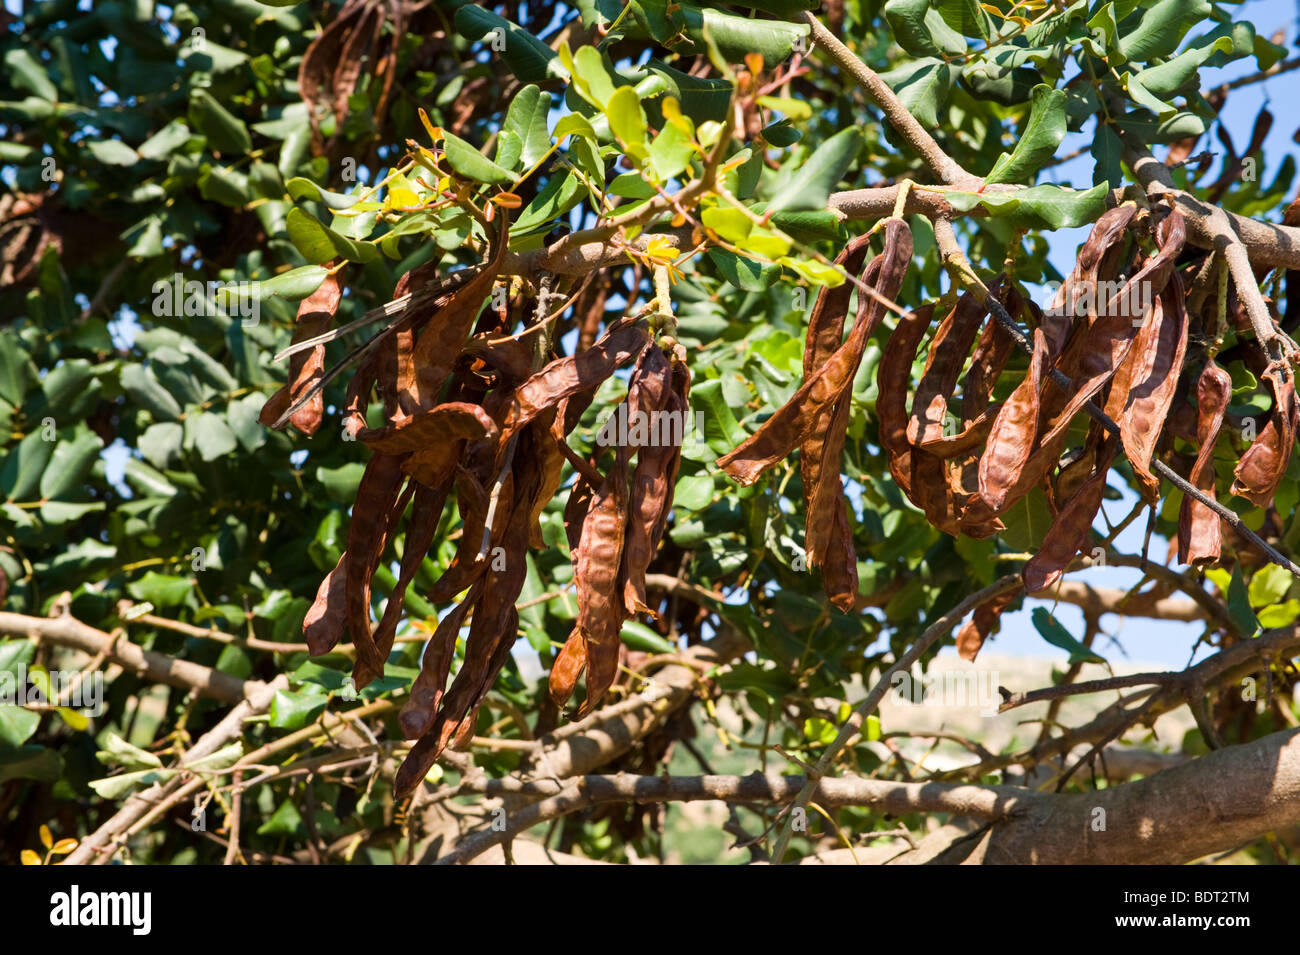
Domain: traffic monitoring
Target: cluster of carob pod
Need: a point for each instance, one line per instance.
(467, 412)
(1123, 352)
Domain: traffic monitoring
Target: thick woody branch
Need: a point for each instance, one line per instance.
(67, 631)
(563, 798)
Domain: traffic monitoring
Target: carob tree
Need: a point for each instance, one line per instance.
(630, 339)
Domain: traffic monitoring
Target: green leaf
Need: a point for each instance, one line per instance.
(526, 119)
(472, 164)
(319, 243)
(1162, 27)
(300, 188)
(26, 72)
(1054, 633)
(118, 752)
(722, 431)
(1239, 609)
(111, 152)
(1269, 585)
(16, 655)
(16, 723)
(161, 443)
(225, 132)
(285, 821)
(638, 636)
(627, 122)
(1166, 79)
(561, 193)
(922, 86)
(294, 710)
(30, 762)
(210, 435)
(531, 60)
(144, 388)
(1280, 615)
(734, 36)
(812, 183)
(223, 758)
(745, 274)
(1038, 141)
(1108, 153)
(920, 29)
(20, 477)
(1038, 207)
(69, 465)
(965, 16)
(161, 590)
(115, 787)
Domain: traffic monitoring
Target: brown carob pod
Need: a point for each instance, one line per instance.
(443, 339)
(892, 379)
(568, 666)
(1264, 463)
(327, 617)
(421, 707)
(1069, 531)
(648, 400)
(315, 315)
(828, 537)
(1143, 389)
(944, 361)
(426, 512)
(1200, 535)
(368, 532)
(448, 423)
(1012, 436)
(565, 377)
(798, 418)
(983, 623)
(828, 532)
(598, 578)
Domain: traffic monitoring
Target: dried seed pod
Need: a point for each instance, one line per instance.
(368, 533)
(326, 619)
(1069, 530)
(426, 512)
(443, 339)
(825, 511)
(421, 707)
(892, 379)
(947, 354)
(315, 315)
(798, 419)
(1199, 531)
(468, 563)
(598, 578)
(649, 399)
(568, 666)
(1264, 464)
(1143, 389)
(1011, 439)
(983, 623)
(565, 377)
(446, 423)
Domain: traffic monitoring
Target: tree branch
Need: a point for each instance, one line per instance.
(878, 91)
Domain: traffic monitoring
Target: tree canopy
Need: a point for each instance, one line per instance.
(428, 420)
